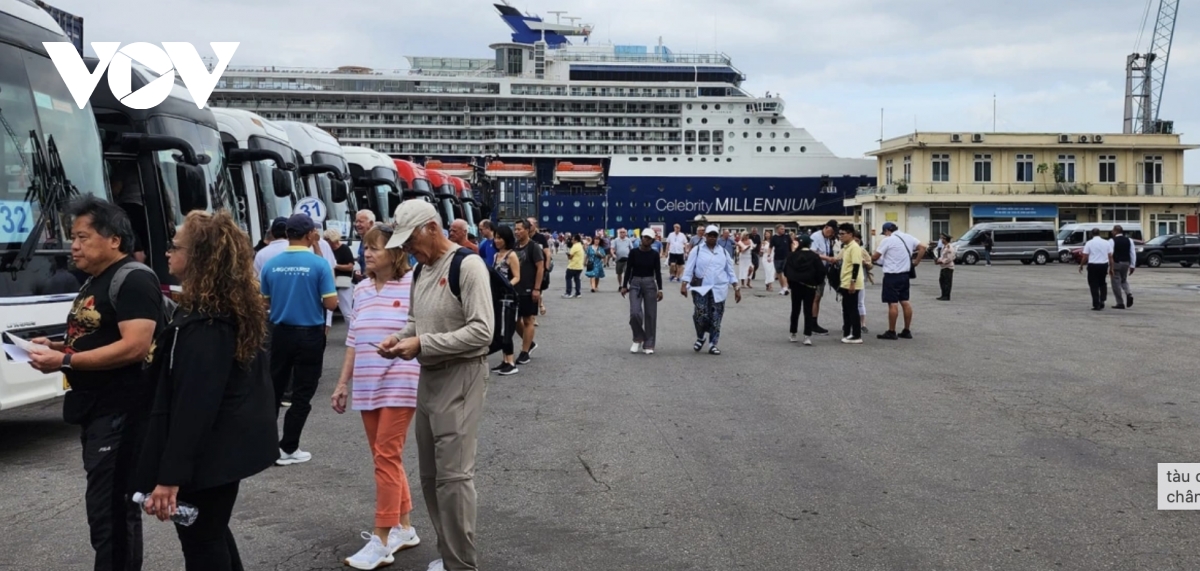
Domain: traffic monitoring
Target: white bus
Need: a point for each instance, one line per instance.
(376, 183)
(49, 151)
(262, 164)
(325, 173)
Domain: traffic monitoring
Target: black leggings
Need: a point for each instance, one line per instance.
(509, 313)
(851, 322)
(802, 300)
(208, 544)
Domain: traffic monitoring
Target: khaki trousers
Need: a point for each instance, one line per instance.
(449, 408)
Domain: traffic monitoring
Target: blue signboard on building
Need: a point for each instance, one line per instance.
(1014, 211)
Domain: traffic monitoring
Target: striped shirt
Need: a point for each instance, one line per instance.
(379, 382)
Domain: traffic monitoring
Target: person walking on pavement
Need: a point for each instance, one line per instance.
(806, 273)
(643, 285)
(449, 336)
(823, 243)
(768, 261)
(1096, 254)
(621, 247)
(107, 341)
(213, 420)
(595, 263)
(755, 258)
(946, 261)
(298, 285)
(987, 247)
(781, 249)
(508, 265)
(708, 274)
(343, 273)
(853, 273)
(899, 265)
(384, 391)
(364, 220)
(676, 244)
(529, 295)
(745, 260)
(1122, 255)
(487, 246)
(726, 241)
(575, 266)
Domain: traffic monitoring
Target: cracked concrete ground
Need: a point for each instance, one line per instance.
(1019, 430)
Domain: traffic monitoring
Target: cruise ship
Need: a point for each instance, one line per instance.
(580, 135)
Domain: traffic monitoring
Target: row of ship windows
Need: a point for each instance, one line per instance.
(688, 149)
(761, 121)
(593, 218)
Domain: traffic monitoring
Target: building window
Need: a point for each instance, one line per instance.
(1153, 170)
(1165, 224)
(887, 172)
(983, 168)
(941, 168)
(1024, 168)
(1120, 214)
(939, 223)
(907, 168)
(1108, 168)
(1066, 168)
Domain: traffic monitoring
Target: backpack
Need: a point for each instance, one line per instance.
(504, 296)
(114, 288)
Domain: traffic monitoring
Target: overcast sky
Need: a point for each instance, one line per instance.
(1055, 66)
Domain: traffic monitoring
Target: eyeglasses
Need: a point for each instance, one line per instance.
(174, 247)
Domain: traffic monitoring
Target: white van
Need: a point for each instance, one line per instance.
(1074, 235)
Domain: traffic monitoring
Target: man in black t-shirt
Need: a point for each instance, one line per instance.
(756, 238)
(107, 343)
(781, 248)
(529, 294)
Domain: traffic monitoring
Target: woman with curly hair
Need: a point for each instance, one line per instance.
(212, 423)
(384, 391)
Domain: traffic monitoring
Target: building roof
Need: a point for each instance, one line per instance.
(1075, 141)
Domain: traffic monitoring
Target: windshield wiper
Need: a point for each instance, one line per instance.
(52, 190)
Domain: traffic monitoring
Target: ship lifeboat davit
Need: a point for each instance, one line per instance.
(498, 169)
(462, 170)
(571, 172)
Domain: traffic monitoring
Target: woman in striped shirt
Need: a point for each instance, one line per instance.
(384, 391)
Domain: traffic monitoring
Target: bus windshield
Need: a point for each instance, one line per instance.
(41, 128)
(205, 141)
(277, 206)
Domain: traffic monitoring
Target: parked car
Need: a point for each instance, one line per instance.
(1029, 242)
(1183, 249)
(1074, 254)
(1073, 236)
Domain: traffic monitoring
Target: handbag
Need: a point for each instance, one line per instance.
(912, 268)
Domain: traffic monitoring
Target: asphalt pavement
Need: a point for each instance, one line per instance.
(1018, 430)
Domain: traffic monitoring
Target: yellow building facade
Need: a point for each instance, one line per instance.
(929, 183)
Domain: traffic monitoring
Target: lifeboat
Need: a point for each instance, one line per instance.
(571, 172)
(498, 169)
(463, 170)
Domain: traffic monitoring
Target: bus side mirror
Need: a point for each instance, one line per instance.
(282, 183)
(338, 190)
(193, 195)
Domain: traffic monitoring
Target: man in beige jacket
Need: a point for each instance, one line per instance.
(449, 335)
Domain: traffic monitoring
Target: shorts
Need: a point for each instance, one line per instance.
(621, 265)
(675, 259)
(526, 307)
(895, 288)
(779, 265)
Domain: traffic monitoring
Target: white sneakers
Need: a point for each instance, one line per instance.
(375, 554)
(436, 566)
(372, 556)
(636, 348)
(401, 538)
(808, 341)
(792, 338)
(296, 457)
(852, 341)
(649, 351)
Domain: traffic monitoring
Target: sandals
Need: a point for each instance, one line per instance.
(713, 350)
(698, 346)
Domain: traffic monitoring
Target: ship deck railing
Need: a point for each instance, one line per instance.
(1119, 189)
(674, 58)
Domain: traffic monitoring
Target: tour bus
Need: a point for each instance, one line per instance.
(1029, 242)
(1074, 235)
(446, 197)
(262, 164)
(472, 212)
(325, 172)
(49, 151)
(163, 163)
(414, 182)
(375, 183)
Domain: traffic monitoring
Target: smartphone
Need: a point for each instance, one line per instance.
(375, 345)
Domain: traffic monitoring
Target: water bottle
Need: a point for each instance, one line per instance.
(185, 514)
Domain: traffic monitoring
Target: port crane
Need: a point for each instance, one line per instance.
(1146, 75)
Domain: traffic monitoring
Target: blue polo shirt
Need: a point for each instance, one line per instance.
(295, 282)
(487, 249)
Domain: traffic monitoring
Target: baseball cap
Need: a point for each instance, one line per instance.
(299, 225)
(279, 227)
(805, 240)
(890, 227)
(410, 215)
(712, 229)
(648, 233)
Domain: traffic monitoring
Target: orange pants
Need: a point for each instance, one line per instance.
(387, 429)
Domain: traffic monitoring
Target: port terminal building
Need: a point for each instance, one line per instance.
(930, 183)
